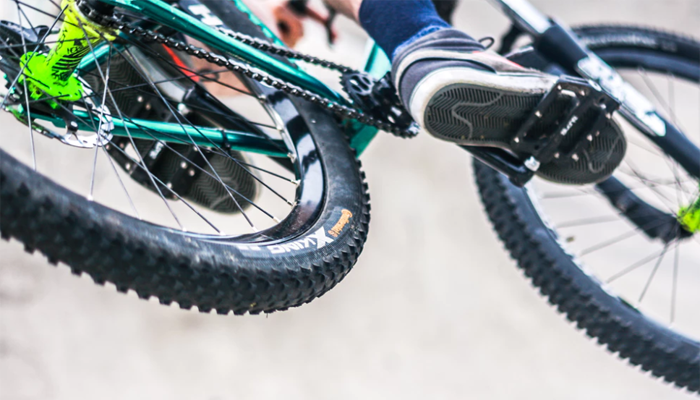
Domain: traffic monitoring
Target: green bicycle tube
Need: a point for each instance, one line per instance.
(254, 19)
(97, 57)
(174, 133)
(377, 64)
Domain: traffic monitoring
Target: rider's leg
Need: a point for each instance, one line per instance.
(459, 92)
(392, 23)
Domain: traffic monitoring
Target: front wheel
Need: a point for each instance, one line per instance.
(637, 295)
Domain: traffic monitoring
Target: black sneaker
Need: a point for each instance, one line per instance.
(459, 92)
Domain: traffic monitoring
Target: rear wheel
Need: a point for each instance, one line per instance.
(637, 295)
(185, 221)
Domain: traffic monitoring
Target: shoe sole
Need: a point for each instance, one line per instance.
(489, 109)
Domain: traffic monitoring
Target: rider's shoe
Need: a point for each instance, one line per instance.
(459, 92)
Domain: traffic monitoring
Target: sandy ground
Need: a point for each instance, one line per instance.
(433, 309)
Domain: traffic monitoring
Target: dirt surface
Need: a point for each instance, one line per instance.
(433, 310)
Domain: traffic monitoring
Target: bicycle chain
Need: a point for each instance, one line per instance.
(344, 112)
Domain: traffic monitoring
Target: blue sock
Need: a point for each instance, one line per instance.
(393, 23)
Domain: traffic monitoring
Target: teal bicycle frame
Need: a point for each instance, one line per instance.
(361, 135)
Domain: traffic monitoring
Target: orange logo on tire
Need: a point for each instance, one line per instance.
(344, 219)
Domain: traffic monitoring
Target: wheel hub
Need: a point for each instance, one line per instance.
(52, 75)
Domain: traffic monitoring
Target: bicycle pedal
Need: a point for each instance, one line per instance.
(561, 128)
(547, 137)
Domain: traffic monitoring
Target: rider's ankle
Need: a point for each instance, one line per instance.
(395, 24)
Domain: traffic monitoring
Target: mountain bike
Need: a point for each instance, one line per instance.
(254, 201)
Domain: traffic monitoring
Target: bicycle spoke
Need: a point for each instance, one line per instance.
(294, 182)
(180, 69)
(657, 95)
(138, 88)
(186, 71)
(644, 147)
(621, 238)
(221, 152)
(674, 287)
(141, 162)
(29, 22)
(653, 273)
(588, 221)
(603, 219)
(21, 71)
(167, 102)
(102, 111)
(19, 46)
(662, 197)
(214, 177)
(177, 117)
(26, 95)
(145, 169)
(191, 106)
(580, 192)
(188, 75)
(133, 206)
(202, 170)
(634, 266)
(671, 89)
(121, 182)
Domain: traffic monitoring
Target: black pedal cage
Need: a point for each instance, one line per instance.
(586, 104)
